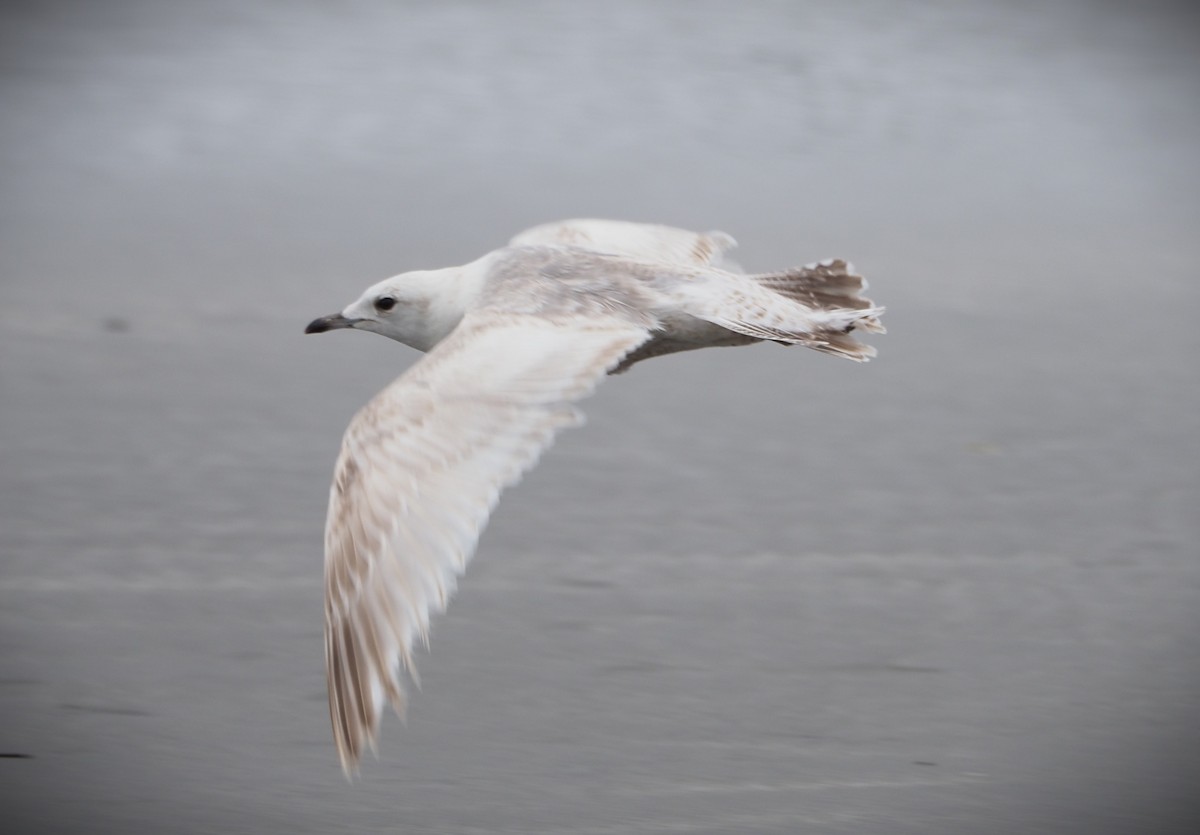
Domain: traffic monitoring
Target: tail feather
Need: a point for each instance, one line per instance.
(832, 336)
(838, 344)
(827, 286)
(817, 306)
(829, 292)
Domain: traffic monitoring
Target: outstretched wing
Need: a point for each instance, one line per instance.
(641, 241)
(421, 467)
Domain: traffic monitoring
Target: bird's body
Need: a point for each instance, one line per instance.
(515, 338)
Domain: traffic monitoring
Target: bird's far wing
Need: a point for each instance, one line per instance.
(421, 467)
(641, 241)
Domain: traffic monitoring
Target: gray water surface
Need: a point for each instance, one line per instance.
(955, 590)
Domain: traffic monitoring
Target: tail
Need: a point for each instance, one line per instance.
(817, 306)
(829, 285)
(831, 290)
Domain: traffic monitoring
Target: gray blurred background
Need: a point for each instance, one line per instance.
(955, 590)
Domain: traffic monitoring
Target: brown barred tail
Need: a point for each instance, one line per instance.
(829, 285)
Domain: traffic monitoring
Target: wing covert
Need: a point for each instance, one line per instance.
(641, 241)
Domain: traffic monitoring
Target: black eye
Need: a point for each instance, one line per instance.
(385, 303)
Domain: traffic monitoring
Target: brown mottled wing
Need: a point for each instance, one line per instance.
(421, 467)
(641, 241)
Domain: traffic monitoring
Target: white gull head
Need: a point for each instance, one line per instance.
(419, 308)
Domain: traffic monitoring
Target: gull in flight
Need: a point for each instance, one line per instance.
(514, 339)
